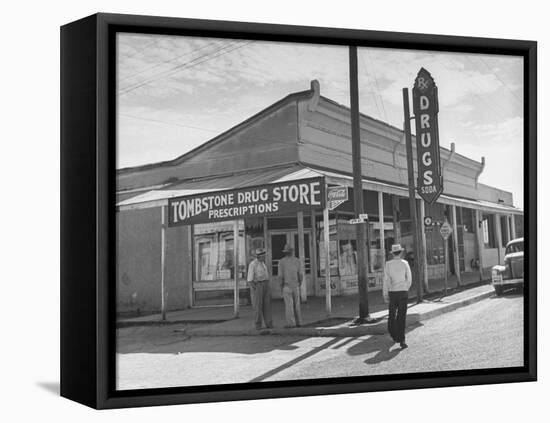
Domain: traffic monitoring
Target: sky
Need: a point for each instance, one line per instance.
(175, 93)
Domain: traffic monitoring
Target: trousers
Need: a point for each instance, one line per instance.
(261, 303)
(397, 315)
(293, 313)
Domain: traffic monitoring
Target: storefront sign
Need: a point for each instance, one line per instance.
(426, 108)
(280, 198)
(446, 230)
(336, 196)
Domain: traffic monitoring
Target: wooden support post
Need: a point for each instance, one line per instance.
(455, 246)
(236, 268)
(301, 254)
(190, 268)
(163, 210)
(267, 245)
(314, 266)
(395, 216)
(513, 226)
(362, 260)
(498, 232)
(381, 223)
(507, 230)
(326, 240)
(423, 246)
(479, 241)
(446, 250)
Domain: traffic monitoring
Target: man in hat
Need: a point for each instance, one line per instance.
(258, 280)
(397, 281)
(291, 281)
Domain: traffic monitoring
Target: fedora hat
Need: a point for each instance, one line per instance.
(396, 248)
(260, 252)
(287, 248)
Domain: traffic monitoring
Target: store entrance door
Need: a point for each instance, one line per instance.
(278, 241)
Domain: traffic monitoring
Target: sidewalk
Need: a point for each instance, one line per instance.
(220, 320)
(341, 325)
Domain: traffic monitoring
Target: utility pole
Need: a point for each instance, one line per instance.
(358, 189)
(412, 195)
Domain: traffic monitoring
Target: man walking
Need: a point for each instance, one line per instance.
(258, 280)
(291, 281)
(397, 281)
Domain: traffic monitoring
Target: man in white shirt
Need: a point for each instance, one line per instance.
(258, 280)
(397, 281)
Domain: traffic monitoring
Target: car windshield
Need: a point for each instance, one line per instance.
(516, 247)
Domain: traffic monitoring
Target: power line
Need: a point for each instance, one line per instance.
(503, 113)
(168, 61)
(136, 53)
(376, 87)
(497, 77)
(331, 154)
(195, 62)
(166, 72)
(167, 123)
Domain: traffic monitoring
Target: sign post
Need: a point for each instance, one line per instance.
(358, 188)
(446, 230)
(326, 240)
(429, 183)
(426, 107)
(412, 196)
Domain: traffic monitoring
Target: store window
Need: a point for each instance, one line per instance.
(347, 246)
(467, 219)
(488, 228)
(377, 256)
(214, 247)
(333, 248)
(435, 245)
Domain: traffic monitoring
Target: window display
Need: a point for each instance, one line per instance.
(333, 248)
(214, 250)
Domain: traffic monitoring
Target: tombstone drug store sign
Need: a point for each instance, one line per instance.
(284, 198)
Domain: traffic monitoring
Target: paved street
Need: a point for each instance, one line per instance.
(483, 335)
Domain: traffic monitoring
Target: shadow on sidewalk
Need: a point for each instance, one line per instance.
(381, 345)
(214, 344)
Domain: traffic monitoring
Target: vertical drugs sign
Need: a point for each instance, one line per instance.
(425, 105)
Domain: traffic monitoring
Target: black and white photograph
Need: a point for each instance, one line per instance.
(296, 211)
(253, 212)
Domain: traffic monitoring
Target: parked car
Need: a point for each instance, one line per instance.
(511, 274)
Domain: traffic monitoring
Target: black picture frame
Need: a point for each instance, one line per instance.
(88, 212)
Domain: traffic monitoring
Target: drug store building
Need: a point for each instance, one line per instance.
(187, 228)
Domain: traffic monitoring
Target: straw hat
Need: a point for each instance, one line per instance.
(396, 248)
(287, 248)
(260, 252)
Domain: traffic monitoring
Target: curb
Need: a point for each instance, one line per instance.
(130, 324)
(343, 331)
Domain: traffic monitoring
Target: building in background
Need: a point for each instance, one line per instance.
(303, 137)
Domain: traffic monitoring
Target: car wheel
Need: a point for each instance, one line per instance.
(498, 290)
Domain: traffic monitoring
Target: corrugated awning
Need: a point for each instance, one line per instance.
(339, 179)
(160, 197)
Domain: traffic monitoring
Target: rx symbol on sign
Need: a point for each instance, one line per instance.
(422, 84)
